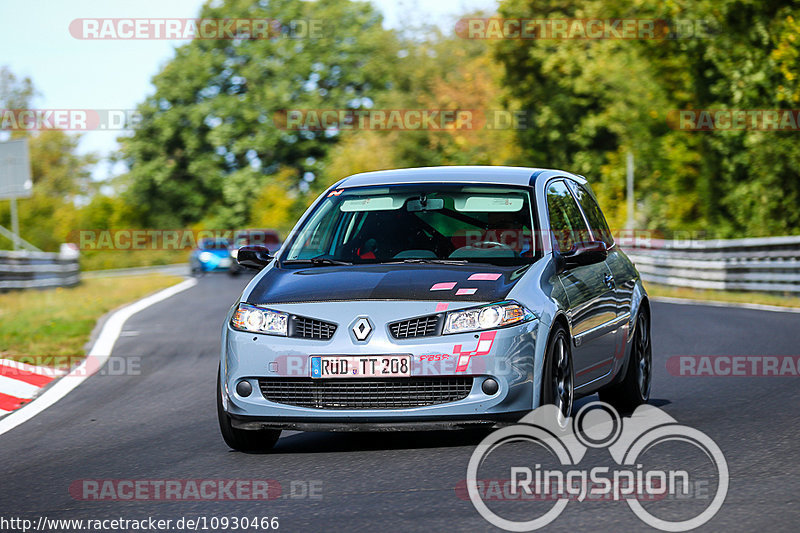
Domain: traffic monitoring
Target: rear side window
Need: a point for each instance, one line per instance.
(597, 222)
(566, 222)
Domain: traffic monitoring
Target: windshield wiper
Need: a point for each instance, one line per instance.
(317, 261)
(328, 261)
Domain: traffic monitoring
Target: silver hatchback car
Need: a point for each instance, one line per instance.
(430, 298)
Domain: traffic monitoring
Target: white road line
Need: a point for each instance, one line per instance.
(99, 354)
(734, 305)
(17, 388)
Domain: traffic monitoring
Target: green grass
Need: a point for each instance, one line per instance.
(723, 296)
(59, 321)
(106, 259)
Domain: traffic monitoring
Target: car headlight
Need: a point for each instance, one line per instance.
(486, 317)
(205, 257)
(259, 320)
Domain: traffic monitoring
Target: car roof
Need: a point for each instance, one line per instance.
(457, 174)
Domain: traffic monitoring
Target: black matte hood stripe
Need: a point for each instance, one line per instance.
(386, 282)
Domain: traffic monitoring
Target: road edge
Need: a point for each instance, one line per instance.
(717, 303)
(98, 356)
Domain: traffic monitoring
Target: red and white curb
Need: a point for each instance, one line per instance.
(20, 383)
(95, 360)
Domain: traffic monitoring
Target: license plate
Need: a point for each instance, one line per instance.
(361, 366)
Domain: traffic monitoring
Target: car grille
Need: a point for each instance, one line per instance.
(365, 393)
(310, 328)
(423, 326)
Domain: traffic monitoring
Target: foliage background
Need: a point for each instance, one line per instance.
(208, 154)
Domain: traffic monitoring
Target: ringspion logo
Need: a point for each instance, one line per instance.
(543, 492)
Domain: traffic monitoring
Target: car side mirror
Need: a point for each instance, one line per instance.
(585, 253)
(253, 256)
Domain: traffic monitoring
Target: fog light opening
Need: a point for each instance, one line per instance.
(244, 389)
(490, 387)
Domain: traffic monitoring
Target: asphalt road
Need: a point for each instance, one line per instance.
(160, 423)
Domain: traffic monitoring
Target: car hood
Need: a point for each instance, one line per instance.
(429, 282)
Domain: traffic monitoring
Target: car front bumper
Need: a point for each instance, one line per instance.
(505, 355)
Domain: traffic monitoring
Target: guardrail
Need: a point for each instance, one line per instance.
(761, 264)
(28, 270)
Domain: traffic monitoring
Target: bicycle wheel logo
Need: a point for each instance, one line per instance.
(597, 425)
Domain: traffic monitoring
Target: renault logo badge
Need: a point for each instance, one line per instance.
(362, 328)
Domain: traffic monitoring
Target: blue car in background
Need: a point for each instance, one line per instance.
(210, 255)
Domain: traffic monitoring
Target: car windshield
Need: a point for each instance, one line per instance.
(419, 223)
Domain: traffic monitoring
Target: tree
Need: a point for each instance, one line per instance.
(443, 73)
(595, 100)
(15, 93)
(60, 175)
(208, 139)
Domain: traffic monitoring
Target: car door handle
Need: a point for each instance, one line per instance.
(608, 279)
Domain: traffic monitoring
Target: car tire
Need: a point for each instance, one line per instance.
(634, 389)
(243, 440)
(558, 376)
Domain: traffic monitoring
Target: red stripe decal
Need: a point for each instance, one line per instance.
(483, 348)
(23, 375)
(601, 364)
(9, 403)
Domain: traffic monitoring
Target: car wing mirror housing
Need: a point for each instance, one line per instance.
(254, 256)
(585, 253)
